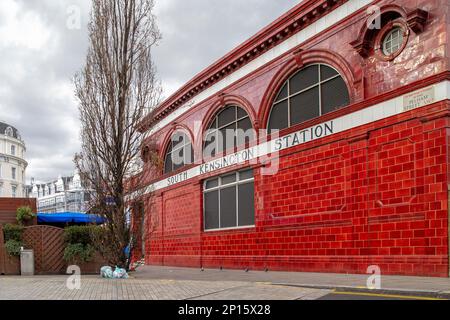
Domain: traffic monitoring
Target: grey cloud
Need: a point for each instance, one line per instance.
(36, 93)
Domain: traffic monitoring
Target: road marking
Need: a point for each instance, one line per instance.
(386, 296)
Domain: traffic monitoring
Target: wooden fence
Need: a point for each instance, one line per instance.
(48, 245)
(8, 207)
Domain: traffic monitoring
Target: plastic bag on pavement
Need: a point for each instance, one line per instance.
(120, 273)
(106, 272)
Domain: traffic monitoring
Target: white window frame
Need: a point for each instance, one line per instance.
(220, 187)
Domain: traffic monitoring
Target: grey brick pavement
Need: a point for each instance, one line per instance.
(94, 288)
(400, 283)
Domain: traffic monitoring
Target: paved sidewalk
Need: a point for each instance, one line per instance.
(434, 287)
(95, 288)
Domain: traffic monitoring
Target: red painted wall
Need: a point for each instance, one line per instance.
(375, 195)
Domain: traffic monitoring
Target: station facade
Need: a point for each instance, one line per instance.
(339, 159)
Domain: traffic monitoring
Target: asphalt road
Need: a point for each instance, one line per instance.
(368, 296)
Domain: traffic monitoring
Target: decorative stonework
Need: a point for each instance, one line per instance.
(417, 20)
(275, 35)
(369, 40)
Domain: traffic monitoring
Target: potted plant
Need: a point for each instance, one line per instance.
(24, 215)
(13, 244)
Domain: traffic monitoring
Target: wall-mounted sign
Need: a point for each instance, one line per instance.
(418, 99)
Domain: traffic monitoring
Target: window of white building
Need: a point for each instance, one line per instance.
(13, 173)
(14, 191)
(13, 150)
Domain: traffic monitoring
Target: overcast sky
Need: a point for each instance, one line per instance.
(41, 48)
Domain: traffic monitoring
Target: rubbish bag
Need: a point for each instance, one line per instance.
(106, 272)
(120, 273)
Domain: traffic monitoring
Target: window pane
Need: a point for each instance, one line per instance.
(304, 79)
(212, 210)
(305, 106)
(178, 159)
(245, 133)
(229, 179)
(327, 72)
(228, 138)
(334, 95)
(283, 93)
(210, 149)
(279, 116)
(213, 124)
(212, 184)
(168, 164)
(227, 116)
(178, 140)
(245, 175)
(247, 204)
(188, 154)
(228, 218)
(241, 113)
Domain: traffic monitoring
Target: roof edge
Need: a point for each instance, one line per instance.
(296, 19)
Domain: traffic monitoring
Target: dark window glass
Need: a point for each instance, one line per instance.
(230, 119)
(228, 134)
(245, 175)
(241, 113)
(227, 116)
(283, 93)
(213, 124)
(313, 91)
(327, 73)
(168, 166)
(246, 204)
(229, 179)
(305, 106)
(334, 95)
(212, 184)
(304, 79)
(178, 159)
(228, 202)
(212, 210)
(279, 117)
(210, 144)
(228, 217)
(179, 153)
(247, 134)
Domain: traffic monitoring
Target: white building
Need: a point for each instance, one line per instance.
(12, 163)
(65, 194)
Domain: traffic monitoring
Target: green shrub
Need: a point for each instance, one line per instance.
(79, 234)
(13, 247)
(24, 214)
(78, 253)
(13, 232)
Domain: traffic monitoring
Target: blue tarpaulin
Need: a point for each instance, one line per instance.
(69, 217)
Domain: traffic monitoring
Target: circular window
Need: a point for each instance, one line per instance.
(393, 41)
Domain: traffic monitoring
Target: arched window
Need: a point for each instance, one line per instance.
(229, 129)
(310, 93)
(179, 153)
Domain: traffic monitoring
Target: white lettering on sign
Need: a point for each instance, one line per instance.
(418, 99)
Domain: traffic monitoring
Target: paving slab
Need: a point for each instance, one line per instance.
(95, 288)
(436, 287)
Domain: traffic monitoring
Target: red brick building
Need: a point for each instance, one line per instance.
(358, 174)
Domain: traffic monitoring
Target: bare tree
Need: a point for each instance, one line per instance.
(114, 89)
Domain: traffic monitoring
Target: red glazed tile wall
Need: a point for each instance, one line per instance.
(374, 195)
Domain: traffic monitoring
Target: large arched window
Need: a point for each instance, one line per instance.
(179, 153)
(229, 129)
(310, 93)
